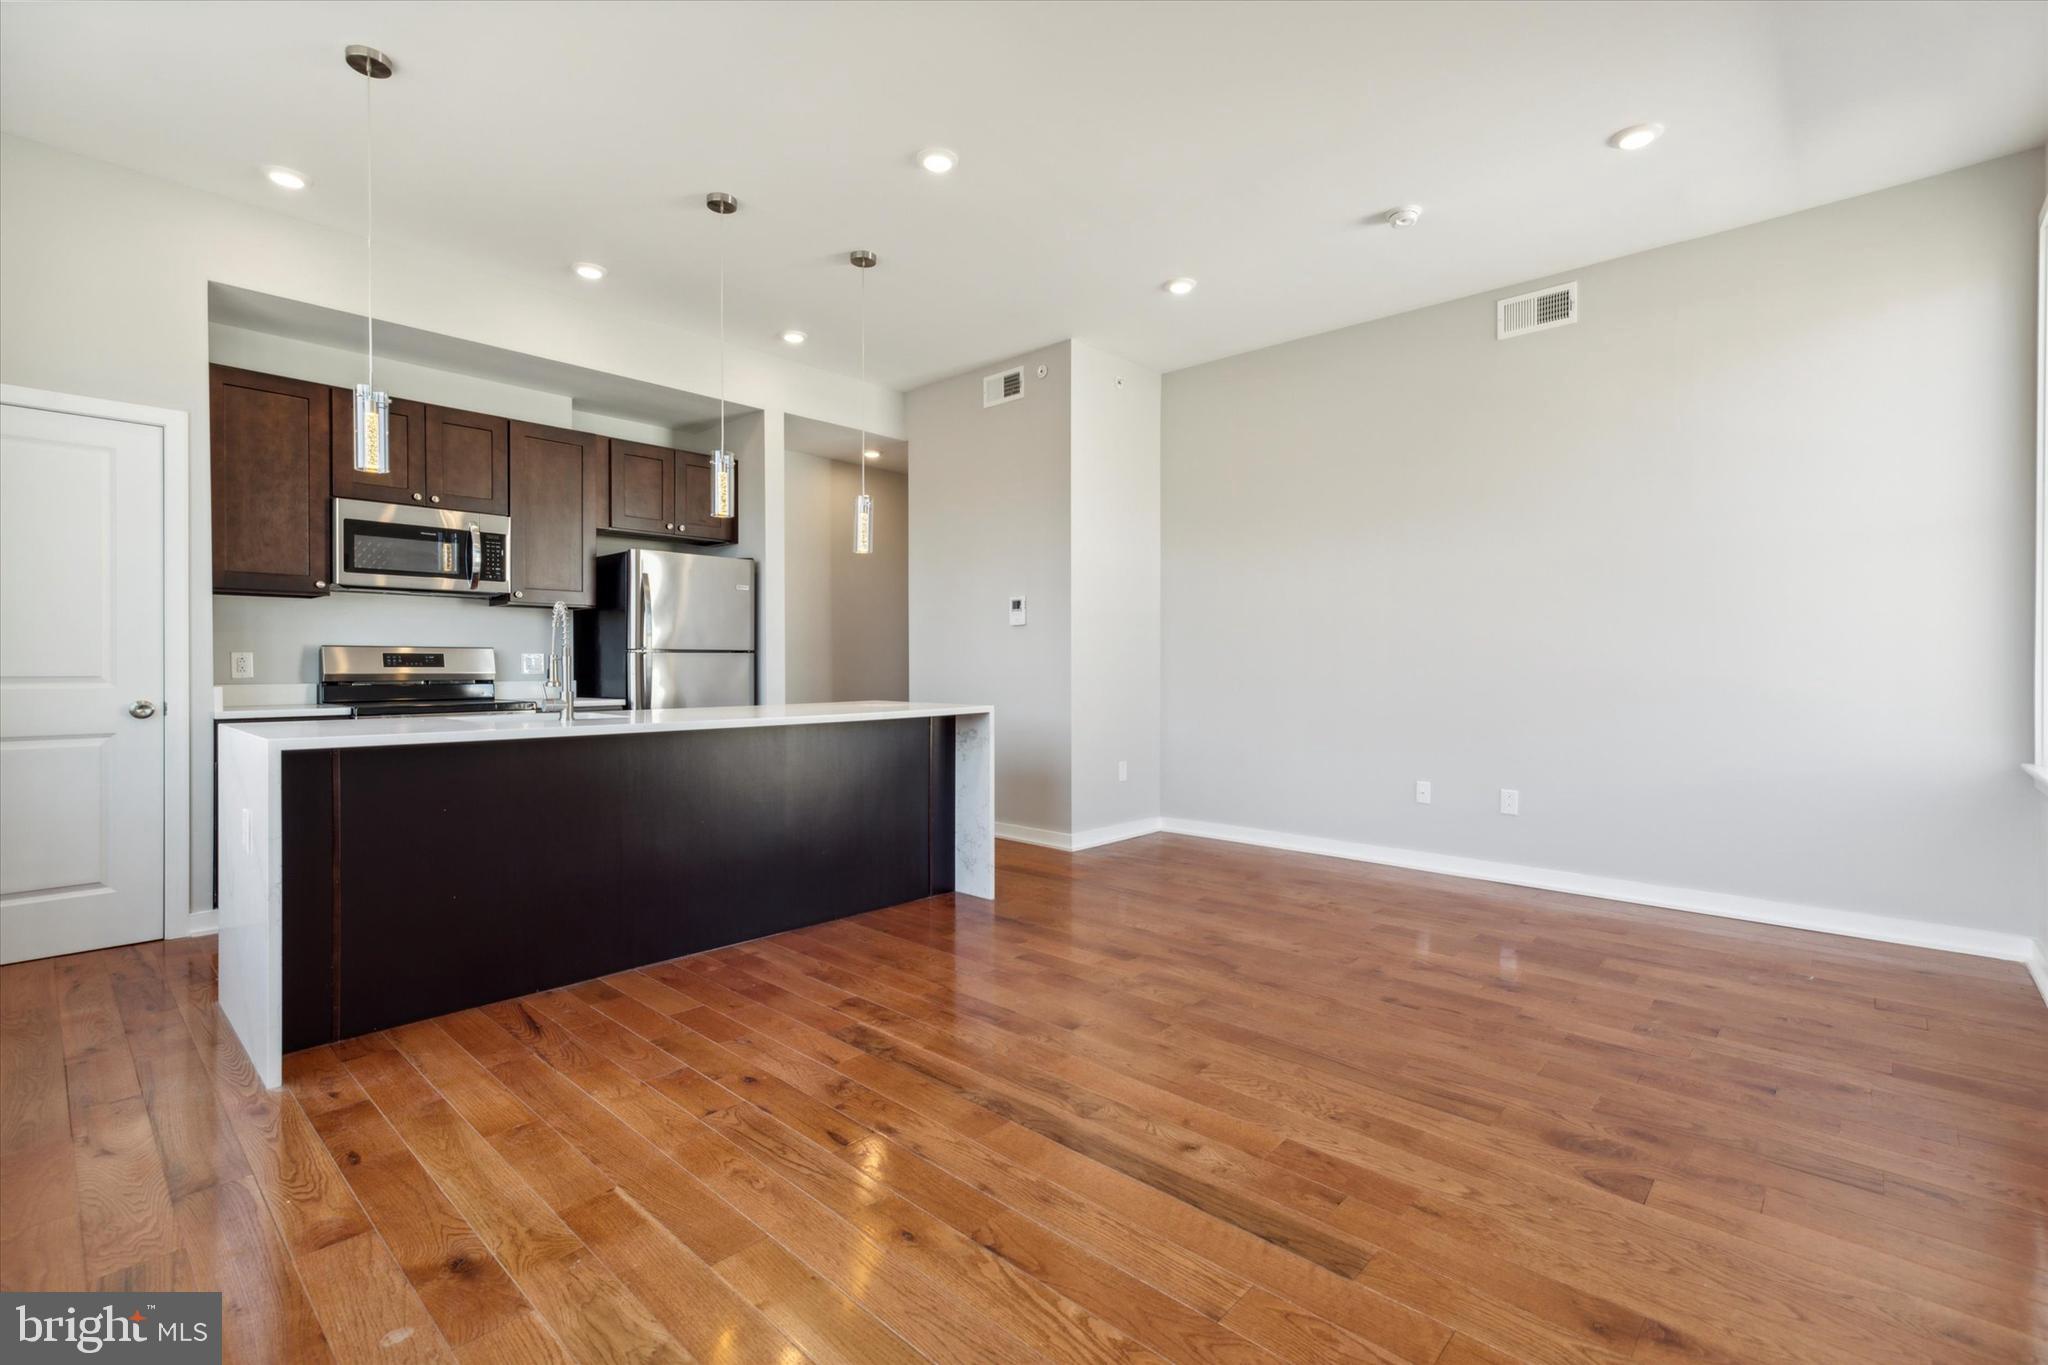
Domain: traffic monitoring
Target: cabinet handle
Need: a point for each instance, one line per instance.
(416, 497)
(435, 498)
(319, 582)
(519, 592)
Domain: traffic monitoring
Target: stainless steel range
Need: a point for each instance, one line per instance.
(408, 680)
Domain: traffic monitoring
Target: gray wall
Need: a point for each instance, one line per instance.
(1732, 579)
(848, 635)
(989, 519)
(1115, 516)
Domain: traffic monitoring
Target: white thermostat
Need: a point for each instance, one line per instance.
(1017, 611)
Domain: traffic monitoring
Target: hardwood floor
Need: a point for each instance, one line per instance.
(1168, 1100)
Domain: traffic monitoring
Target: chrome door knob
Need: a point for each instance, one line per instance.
(435, 498)
(415, 497)
(142, 710)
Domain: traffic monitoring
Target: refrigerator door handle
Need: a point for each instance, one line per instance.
(642, 680)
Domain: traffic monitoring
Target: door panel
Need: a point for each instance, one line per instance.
(643, 488)
(468, 461)
(663, 680)
(557, 484)
(270, 458)
(407, 481)
(693, 601)
(81, 641)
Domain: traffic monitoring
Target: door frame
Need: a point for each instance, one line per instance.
(178, 919)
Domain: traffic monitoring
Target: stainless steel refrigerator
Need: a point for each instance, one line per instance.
(669, 630)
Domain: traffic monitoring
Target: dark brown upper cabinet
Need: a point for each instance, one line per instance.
(643, 493)
(270, 457)
(559, 481)
(440, 457)
(661, 492)
(407, 479)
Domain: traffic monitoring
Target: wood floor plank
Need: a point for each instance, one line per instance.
(1164, 1100)
(231, 1245)
(460, 1281)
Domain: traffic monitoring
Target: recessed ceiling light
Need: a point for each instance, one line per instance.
(1408, 215)
(1636, 138)
(872, 454)
(1180, 285)
(285, 178)
(589, 270)
(795, 337)
(938, 160)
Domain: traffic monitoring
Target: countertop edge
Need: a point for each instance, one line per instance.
(282, 735)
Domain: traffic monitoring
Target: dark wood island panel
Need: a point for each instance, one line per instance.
(424, 879)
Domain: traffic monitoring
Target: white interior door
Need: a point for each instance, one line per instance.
(81, 683)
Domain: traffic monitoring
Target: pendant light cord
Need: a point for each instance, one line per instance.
(369, 232)
(721, 340)
(862, 453)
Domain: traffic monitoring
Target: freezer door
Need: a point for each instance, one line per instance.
(661, 679)
(682, 601)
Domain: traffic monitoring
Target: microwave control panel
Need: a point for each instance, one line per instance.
(492, 570)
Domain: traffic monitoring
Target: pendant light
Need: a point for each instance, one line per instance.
(373, 406)
(724, 205)
(863, 505)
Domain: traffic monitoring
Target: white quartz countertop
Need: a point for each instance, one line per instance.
(380, 731)
(229, 715)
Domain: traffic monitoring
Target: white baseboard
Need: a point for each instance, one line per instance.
(1074, 843)
(1785, 914)
(2037, 967)
(200, 922)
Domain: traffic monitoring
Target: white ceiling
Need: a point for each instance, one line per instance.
(1105, 147)
(830, 441)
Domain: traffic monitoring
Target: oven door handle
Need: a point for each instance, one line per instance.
(476, 555)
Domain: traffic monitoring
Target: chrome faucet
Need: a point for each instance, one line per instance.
(561, 684)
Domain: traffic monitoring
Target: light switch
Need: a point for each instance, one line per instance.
(1017, 610)
(533, 664)
(242, 664)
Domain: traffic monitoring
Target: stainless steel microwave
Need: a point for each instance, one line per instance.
(390, 547)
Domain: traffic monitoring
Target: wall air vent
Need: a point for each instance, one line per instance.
(1006, 387)
(1557, 306)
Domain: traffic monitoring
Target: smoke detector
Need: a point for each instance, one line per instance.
(1408, 215)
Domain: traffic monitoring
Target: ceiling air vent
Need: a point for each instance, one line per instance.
(1006, 387)
(1557, 306)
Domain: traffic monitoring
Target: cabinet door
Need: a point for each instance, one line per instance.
(467, 461)
(693, 501)
(643, 493)
(558, 487)
(270, 483)
(408, 477)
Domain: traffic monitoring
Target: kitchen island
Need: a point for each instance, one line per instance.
(378, 871)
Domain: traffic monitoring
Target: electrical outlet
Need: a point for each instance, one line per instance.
(533, 664)
(1422, 792)
(1123, 770)
(241, 664)
(1510, 801)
